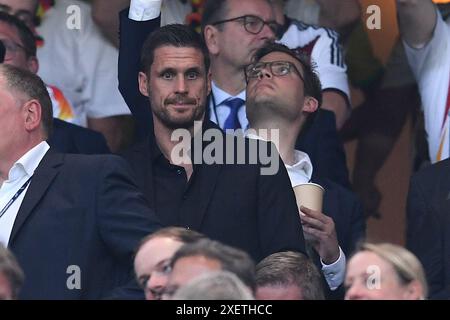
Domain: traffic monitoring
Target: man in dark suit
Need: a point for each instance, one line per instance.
(237, 204)
(428, 225)
(282, 91)
(319, 138)
(72, 221)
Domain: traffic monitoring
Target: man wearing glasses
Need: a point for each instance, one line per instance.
(283, 90)
(233, 30)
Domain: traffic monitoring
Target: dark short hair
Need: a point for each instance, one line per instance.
(177, 233)
(176, 35)
(286, 268)
(25, 34)
(312, 85)
(10, 268)
(29, 84)
(231, 259)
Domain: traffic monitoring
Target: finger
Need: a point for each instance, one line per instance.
(312, 222)
(316, 234)
(315, 214)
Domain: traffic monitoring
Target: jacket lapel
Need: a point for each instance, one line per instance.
(42, 179)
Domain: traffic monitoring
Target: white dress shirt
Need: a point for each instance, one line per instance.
(19, 173)
(219, 111)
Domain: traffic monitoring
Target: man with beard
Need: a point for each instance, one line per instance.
(237, 204)
(233, 31)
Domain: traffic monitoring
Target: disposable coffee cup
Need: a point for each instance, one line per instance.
(309, 195)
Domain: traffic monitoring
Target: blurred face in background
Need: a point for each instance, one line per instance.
(369, 277)
(25, 10)
(152, 265)
(16, 54)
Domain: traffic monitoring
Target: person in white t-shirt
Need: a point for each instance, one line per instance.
(76, 57)
(21, 52)
(426, 38)
(323, 47)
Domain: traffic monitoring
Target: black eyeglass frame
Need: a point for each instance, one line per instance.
(288, 64)
(273, 25)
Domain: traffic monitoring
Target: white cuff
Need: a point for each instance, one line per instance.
(335, 273)
(144, 10)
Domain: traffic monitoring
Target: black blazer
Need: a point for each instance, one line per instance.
(320, 140)
(346, 210)
(70, 138)
(232, 203)
(428, 225)
(82, 211)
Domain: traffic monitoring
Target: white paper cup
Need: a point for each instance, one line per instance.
(309, 195)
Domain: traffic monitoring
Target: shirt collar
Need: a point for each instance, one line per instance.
(301, 171)
(28, 163)
(221, 96)
(302, 163)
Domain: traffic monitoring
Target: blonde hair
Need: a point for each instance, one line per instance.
(406, 265)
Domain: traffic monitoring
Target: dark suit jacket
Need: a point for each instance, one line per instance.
(82, 211)
(70, 138)
(428, 225)
(232, 203)
(346, 210)
(320, 140)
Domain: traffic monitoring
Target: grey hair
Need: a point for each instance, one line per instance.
(220, 285)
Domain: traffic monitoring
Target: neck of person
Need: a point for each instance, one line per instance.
(228, 79)
(282, 133)
(164, 139)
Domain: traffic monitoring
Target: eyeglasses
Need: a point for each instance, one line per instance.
(12, 48)
(253, 24)
(277, 68)
(25, 15)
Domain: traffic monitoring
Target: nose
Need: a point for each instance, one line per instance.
(265, 73)
(267, 33)
(155, 286)
(355, 292)
(181, 85)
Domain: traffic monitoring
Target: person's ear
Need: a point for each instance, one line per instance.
(414, 291)
(310, 104)
(143, 84)
(211, 39)
(33, 64)
(32, 111)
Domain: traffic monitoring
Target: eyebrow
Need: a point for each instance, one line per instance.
(194, 69)
(175, 71)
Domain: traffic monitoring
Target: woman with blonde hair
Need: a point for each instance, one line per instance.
(384, 272)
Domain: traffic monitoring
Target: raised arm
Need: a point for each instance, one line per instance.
(417, 19)
(132, 36)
